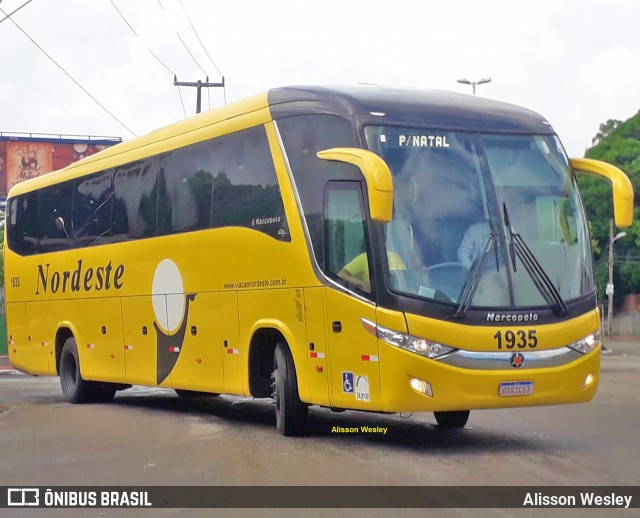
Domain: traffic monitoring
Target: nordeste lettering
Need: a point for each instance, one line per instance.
(93, 278)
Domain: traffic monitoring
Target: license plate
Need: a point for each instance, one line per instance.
(515, 388)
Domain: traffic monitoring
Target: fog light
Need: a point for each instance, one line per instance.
(588, 381)
(423, 387)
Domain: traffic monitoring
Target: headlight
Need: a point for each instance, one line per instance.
(407, 342)
(586, 344)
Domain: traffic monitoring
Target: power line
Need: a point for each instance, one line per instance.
(12, 13)
(197, 36)
(185, 45)
(68, 75)
(150, 52)
(224, 88)
(136, 35)
(181, 100)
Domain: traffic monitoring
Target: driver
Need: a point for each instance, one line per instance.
(439, 192)
(473, 243)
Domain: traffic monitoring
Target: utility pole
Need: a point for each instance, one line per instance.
(199, 85)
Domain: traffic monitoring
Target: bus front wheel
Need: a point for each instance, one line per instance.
(291, 413)
(455, 419)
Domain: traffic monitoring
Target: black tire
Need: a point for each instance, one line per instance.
(291, 413)
(455, 419)
(102, 392)
(194, 393)
(74, 388)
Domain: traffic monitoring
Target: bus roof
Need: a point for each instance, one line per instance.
(368, 104)
(410, 106)
(237, 115)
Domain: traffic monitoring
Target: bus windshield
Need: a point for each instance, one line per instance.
(486, 221)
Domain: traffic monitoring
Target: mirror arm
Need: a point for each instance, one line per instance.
(622, 188)
(376, 174)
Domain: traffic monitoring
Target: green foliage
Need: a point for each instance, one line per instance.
(606, 128)
(617, 143)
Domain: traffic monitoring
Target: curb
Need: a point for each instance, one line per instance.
(5, 366)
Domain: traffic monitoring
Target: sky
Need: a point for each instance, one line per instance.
(576, 62)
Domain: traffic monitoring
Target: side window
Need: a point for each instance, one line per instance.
(185, 182)
(135, 206)
(54, 217)
(346, 257)
(22, 224)
(92, 202)
(245, 187)
(556, 220)
(303, 136)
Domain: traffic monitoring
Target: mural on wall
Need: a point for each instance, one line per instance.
(27, 160)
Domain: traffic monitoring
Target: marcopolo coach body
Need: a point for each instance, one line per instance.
(363, 247)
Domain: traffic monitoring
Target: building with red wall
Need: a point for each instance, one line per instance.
(29, 155)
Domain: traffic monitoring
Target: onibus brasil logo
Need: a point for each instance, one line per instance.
(171, 309)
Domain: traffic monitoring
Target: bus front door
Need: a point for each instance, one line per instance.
(353, 353)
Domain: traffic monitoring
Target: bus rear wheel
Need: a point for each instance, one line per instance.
(455, 419)
(291, 413)
(74, 388)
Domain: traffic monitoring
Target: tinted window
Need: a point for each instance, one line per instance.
(136, 199)
(346, 257)
(92, 202)
(54, 217)
(303, 136)
(227, 181)
(22, 224)
(185, 185)
(245, 188)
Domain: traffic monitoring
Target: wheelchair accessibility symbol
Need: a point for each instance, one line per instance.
(347, 382)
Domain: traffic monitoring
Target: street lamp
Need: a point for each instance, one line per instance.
(609, 290)
(474, 83)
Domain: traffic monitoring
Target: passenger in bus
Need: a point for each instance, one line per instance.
(356, 272)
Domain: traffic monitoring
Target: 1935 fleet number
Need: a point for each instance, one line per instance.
(519, 338)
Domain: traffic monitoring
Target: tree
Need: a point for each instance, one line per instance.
(606, 128)
(617, 143)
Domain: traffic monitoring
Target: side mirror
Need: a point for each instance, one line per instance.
(59, 222)
(376, 174)
(622, 188)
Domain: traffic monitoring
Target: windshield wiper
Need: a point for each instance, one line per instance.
(539, 277)
(475, 274)
(507, 222)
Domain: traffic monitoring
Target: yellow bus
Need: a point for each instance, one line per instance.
(363, 247)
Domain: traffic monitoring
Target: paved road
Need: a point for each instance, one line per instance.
(151, 437)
